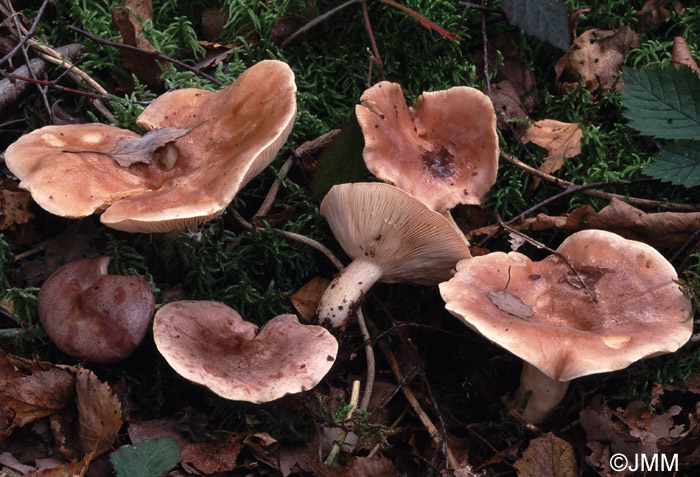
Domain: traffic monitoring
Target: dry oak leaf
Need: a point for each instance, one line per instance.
(14, 208)
(99, 411)
(30, 390)
(561, 140)
(597, 61)
(547, 456)
(305, 300)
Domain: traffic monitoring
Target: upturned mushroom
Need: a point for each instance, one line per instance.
(391, 237)
(201, 149)
(616, 301)
(443, 151)
(210, 344)
(94, 316)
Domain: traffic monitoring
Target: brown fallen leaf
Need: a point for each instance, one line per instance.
(30, 390)
(99, 413)
(305, 300)
(597, 61)
(652, 11)
(547, 456)
(658, 229)
(129, 24)
(561, 140)
(129, 151)
(507, 102)
(14, 207)
(680, 55)
(211, 456)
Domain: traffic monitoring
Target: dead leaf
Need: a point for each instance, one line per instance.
(596, 57)
(30, 390)
(212, 456)
(511, 304)
(561, 140)
(128, 151)
(680, 55)
(547, 456)
(305, 300)
(507, 102)
(653, 11)
(14, 208)
(143, 65)
(99, 413)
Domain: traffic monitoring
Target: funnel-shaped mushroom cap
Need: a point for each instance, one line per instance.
(443, 152)
(235, 133)
(94, 316)
(209, 343)
(382, 224)
(549, 319)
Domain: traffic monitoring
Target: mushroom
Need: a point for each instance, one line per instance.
(205, 146)
(210, 344)
(391, 237)
(599, 304)
(94, 316)
(444, 151)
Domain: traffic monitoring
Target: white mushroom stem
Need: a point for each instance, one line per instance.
(345, 292)
(546, 393)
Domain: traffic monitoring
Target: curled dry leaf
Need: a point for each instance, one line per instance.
(680, 55)
(561, 140)
(30, 390)
(129, 151)
(128, 20)
(99, 411)
(658, 229)
(547, 456)
(306, 299)
(596, 60)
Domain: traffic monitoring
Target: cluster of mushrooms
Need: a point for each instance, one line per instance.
(598, 304)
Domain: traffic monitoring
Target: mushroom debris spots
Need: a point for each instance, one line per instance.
(202, 148)
(444, 151)
(94, 316)
(210, 344)
(391, 237)
(621, 304)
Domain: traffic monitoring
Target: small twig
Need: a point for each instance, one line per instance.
(369, 351)
(597, 193)
(540, 245)
(29, 253)
(415, 405)
(393, 425)
(316, 21)
(29, 33)
(519, 416)
(376, 57)
(685, 245)
(155, 54)
(272, 193)
(354, 397)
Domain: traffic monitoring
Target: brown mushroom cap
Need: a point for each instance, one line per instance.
(443, 152)
(209, 343)
(236, 132)
(391, 237)
(640, 310)
(94, 316)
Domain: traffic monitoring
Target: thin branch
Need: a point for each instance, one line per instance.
(316, 21)
(597, 193)
(155, 54)
(376, 57)
(354, 397)
(28, 34)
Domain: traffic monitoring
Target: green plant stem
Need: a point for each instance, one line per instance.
(354, 397)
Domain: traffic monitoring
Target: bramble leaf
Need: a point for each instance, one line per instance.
(678, 163)
(663, 102)
(543, 19)
(147, 458)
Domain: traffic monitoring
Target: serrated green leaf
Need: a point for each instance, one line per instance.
(678, 163)
(663, 102)
(543, 19)
(148, 458)
(341, 161)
